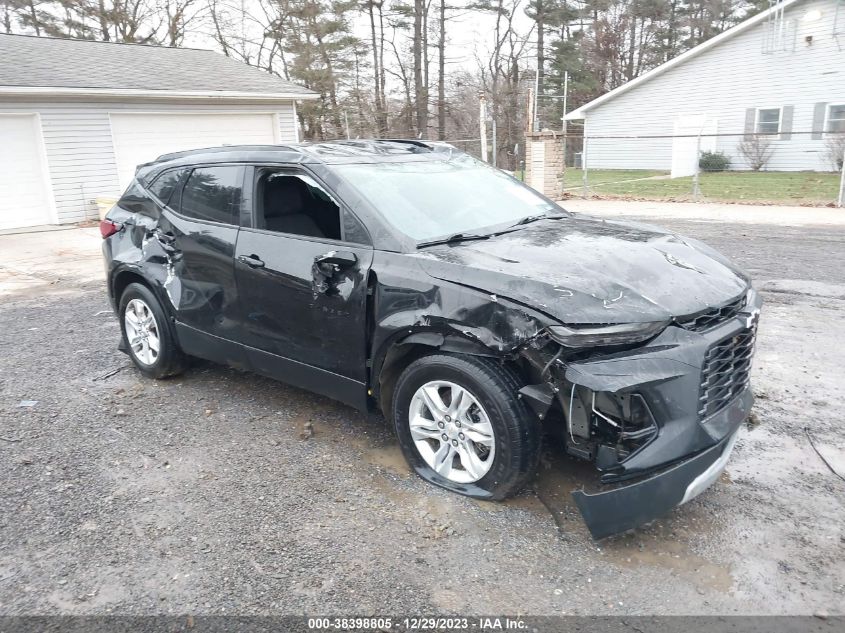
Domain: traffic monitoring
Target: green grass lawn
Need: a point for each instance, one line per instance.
(727, 186)
(574, 177)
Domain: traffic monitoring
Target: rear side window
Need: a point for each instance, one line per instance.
(213, 194)
(164, 186)
(136, 200)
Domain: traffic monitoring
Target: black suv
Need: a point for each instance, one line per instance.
(408, 277)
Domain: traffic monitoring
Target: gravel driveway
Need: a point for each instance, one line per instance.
(222, 492)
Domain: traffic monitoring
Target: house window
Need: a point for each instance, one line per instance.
(768, 121)
(835, 119)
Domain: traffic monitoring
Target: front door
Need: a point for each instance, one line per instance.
(302, 287)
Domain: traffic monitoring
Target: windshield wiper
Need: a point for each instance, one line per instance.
(452, 239)
(541, 216)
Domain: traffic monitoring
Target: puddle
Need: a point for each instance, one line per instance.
(664, 545)
(372, 438)
(389, 457)
(669, 551)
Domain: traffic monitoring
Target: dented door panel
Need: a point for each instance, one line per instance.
(291, 308)
(201, 278)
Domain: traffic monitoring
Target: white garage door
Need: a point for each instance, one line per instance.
(140, 138)
(24, 197)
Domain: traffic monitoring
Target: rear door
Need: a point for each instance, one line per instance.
(301, 264)
(198, 229)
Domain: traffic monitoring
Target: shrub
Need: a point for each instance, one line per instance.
(757, 150)
(713, 161)
(836, 150)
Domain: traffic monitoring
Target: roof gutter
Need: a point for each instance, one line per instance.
(209, 95)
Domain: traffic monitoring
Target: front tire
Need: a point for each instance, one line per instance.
(148, 334)
(461, 426)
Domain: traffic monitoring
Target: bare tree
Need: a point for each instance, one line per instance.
(420, 66)
(375, 12)
(835, 145)
(756, 149)
(441, 73)
(178, 16)
(7, 16)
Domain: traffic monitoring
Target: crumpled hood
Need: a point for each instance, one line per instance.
(588, 270)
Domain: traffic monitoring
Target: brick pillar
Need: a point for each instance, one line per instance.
(544, 163)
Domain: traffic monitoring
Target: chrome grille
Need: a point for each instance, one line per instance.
(725, 372)
(713, 317)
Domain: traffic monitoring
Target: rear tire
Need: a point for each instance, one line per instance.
(461, 426)
(148, 334)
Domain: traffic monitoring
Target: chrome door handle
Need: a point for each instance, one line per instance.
(253, 261)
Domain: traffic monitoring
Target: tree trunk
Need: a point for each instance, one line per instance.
(33, 14)
(441, 75)
(632, 45)
(104, 22)
(541, 46)
(420, 96)
(379, 97)
(7, 17)
(382, 77)
(321, 47)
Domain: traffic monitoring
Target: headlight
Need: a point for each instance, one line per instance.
(603, 335)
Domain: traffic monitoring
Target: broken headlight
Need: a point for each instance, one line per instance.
(605, 335)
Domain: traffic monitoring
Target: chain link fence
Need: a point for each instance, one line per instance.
(795, 168)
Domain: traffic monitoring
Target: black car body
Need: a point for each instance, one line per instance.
(632, 343)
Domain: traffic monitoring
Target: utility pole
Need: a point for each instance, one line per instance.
(441, 75)
(696, 185)
(346, 121)
(841, 202)
(482, 124)
(493, 122)
(563, 121)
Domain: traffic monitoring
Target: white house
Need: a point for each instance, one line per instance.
(780, 73)
(76, 117)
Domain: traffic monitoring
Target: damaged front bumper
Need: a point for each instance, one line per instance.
(632, 505)
(692, 392)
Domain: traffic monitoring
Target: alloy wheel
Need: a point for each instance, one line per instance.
(142, 332)
(451, 431)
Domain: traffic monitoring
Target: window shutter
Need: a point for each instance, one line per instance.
(750, 115)
(786, 123)
(818, 121)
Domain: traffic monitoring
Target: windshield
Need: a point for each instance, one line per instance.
(440, 198)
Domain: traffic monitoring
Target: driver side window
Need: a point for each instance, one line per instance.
(294, 203)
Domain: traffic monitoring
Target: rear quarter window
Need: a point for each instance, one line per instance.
(136, 200)
(165, 184)
(213, 194)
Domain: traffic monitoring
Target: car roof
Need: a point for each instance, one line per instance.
(327, 152)
(324, 154)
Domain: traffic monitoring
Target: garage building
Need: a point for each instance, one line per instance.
(76, 117)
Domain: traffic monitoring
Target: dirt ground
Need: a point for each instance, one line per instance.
(221, 492)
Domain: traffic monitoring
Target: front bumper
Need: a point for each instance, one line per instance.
(632, 505)
(692, 441)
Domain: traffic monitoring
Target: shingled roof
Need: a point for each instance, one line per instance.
(29, 63)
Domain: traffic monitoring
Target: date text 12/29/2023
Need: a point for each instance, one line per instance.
(420, 623)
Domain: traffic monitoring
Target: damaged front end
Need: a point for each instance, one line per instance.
(657, 419)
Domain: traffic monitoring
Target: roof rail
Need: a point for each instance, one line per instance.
(409, 141)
